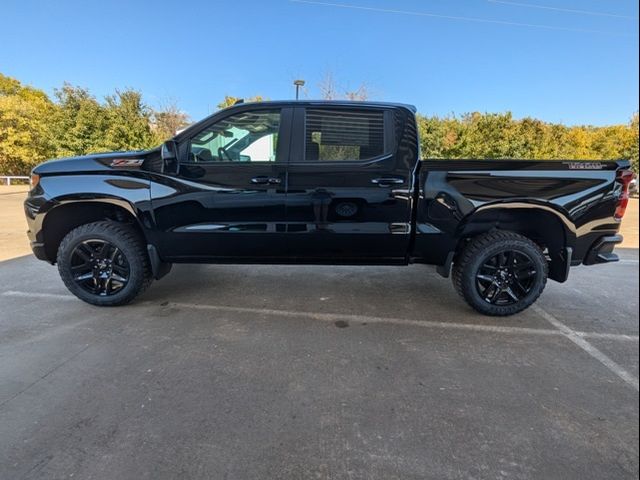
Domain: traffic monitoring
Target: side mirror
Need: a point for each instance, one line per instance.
(169, 154)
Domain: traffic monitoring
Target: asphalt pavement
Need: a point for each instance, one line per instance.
(242, 372)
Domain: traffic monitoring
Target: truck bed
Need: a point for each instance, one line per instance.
(570, 200)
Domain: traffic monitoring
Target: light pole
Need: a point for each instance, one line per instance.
(298, 84)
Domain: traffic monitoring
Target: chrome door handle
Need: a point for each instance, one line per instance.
(387, 181)
(260, 180)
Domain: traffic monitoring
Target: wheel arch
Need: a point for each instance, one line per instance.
(64, 216)
(551, 229)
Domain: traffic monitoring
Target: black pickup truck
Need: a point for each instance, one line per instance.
(315, 182)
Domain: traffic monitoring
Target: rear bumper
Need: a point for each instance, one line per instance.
(602, 250)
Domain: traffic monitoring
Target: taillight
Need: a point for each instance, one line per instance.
(624, 177)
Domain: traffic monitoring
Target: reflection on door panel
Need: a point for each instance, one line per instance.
(336, 204)
(231, 189)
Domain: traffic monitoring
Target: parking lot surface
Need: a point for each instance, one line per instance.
(13, 239)
(317, 372)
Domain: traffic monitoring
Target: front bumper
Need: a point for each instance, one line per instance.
(39, 251)
(602, 250)
(32, 207)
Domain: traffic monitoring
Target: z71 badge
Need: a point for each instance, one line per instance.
(584, 165)
(127, 162)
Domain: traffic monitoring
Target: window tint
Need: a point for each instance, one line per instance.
(350, 134)
(243, 137)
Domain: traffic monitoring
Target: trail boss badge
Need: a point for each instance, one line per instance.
(584, 165)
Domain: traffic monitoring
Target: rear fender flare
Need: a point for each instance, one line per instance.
(504, 215)
(499, 208)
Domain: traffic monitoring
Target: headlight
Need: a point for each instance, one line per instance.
(34, 180)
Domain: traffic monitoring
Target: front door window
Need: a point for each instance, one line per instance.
(242, 137)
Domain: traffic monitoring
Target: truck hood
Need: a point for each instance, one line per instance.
(95, 162)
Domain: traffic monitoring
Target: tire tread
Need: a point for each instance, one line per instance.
(125, 234)
(475, 248)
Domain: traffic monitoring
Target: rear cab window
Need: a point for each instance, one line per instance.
(346, 134)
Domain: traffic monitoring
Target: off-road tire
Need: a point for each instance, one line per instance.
(122, 236)
(478, 251)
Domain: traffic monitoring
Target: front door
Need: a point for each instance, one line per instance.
(348, 197)
(228, 200)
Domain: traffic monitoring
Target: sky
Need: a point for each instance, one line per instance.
(569, 61)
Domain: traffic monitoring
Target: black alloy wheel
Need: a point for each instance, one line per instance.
(500, 272)
(99, 267)
(506, 278)
(104, 263)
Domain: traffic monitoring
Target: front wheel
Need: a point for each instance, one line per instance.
(104, 263)
(500, 273)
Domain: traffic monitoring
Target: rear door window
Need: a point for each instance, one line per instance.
(333, 135)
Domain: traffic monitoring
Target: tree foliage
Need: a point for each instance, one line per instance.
(129, 122)
(25, 136)
(79, 122)
(34, 127)
(631, 148)
(168, 120)
(229, 100)
(499, 135)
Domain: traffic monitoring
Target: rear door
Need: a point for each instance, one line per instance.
(348, 194)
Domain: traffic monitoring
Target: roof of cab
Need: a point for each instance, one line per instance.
(333, 103)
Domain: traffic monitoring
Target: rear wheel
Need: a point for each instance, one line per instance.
(104, 263)
(500, 273)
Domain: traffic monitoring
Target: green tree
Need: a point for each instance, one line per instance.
(25, 138)
(530, 139)
(79, 123)
(167, 120)
(631, 145)
(432, 135)
(129, 122)
(230, 100)
(491, 135)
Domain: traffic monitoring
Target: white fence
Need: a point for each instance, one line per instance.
(8, 178)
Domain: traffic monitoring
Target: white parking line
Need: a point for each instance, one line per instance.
(607, 336)
(13, 293)
(333, 317)
(578, 339)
